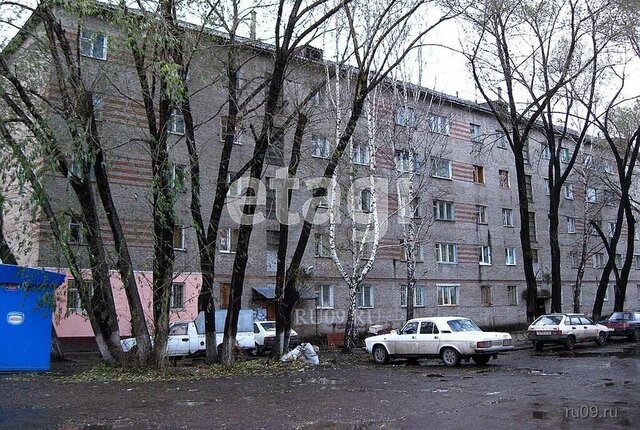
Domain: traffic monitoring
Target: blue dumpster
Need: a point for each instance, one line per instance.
(26, 305)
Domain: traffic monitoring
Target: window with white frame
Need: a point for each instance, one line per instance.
(545, 152)
(321, 245)
(443, 210)
(179, 239)
(568, 191)
(320, 147)
(406, 116)
(598, 260)
(501, 139)
(565, 155)
(234, 189)
(93, 44)
(447, 294)
(510, 256)
(74, 304)
(76, 230)
(481, 214)
(507, 217)
(611, 228)
(533, 227)
(574, 260)
(618, 260)
(176, 298)
(175, 125)
(364, 296)
(228, 240)
(403, 160)
(474, 132)
(325, 296)
(414, 207)
(638, 291)
(591, 194)
(485, 255)
(528, 187)
(366, 204)
(608, 197)
(512, 295)
(636, 258)
(485, 295)
(178, 176)
(447, 253)
(525, 152)
(503, 176)
(361, 153)
(534, 260)
(418, 251)
(571, 225)
(441, 168)
(438, 124)
(419, 294)
(97, 103)
(547, 186)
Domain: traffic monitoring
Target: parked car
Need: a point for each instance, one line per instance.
(567, 330)
(624, 324)
(265, 336)
(451, 338)
(187, 338)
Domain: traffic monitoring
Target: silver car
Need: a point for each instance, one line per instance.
(567, 330)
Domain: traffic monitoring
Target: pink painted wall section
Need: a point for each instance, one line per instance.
(74, 323)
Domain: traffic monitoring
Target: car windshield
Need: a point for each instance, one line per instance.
(463, 325)
(268, 326)
(178, 330)
(620, 316)
(548, 320)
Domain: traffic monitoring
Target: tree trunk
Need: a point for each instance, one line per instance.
(556, 279)
(350, 324)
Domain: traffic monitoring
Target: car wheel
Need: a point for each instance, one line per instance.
(380, 354)
(538, 345)
(481, 360)
(602, 339)
(636, 335)
(570, 343)
(450, 357)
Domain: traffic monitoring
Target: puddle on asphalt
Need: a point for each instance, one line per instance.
(324, 381)
(543, 373)
(539, 415)
(89, 426)
(190, 403)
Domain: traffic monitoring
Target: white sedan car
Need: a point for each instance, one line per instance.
(450, 338)
(567, 330)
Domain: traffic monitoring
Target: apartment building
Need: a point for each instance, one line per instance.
(468, 252)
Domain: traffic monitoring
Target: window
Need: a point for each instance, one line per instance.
(178, 176)
(234, 189)
(98, 106)
(547, 186)
(364, 296)
(270, 199)
(237, 132)
(598, 260)
(176, 298)
(611, 228)
(525, 152)
(179, 238)
(527, 185)
(443, 211)
(322, 248)
(175, 125)
(618, 260)
(571, 225)
(478, 174)
(504, 178)
(638, 290)
(361, 154)
(534, 260)
(419, 293)
(512, 295)
(447, 253)
(565, 155)
(418, 252)
(78, 165)
(74, 304)
(510, 256)
(76, 230)
(414, 206)
(228, 240)
(597, 222)
(485, 255)
(320, 147)
(275, 151)
(273, 239)
(447, 295)
(591, 195)
(501, 139)
(545, 152)
(485, 295)
(481, 214)
(403, 161)
(568, 191)
(575, 261)
(325, 296)
(636, 258)
(507, 217)
(93, 44)
(441, 168)
(637, 234)
(474, 132)
(608, 197)
(438, 124)
(406, 116)
(366, 205)
(533, 233)
(317, 99)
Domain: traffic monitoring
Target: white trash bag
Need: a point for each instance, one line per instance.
(305, 352)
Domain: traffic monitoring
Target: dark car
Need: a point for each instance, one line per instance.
(624, 324)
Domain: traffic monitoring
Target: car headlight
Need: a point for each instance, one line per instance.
(506, 342)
